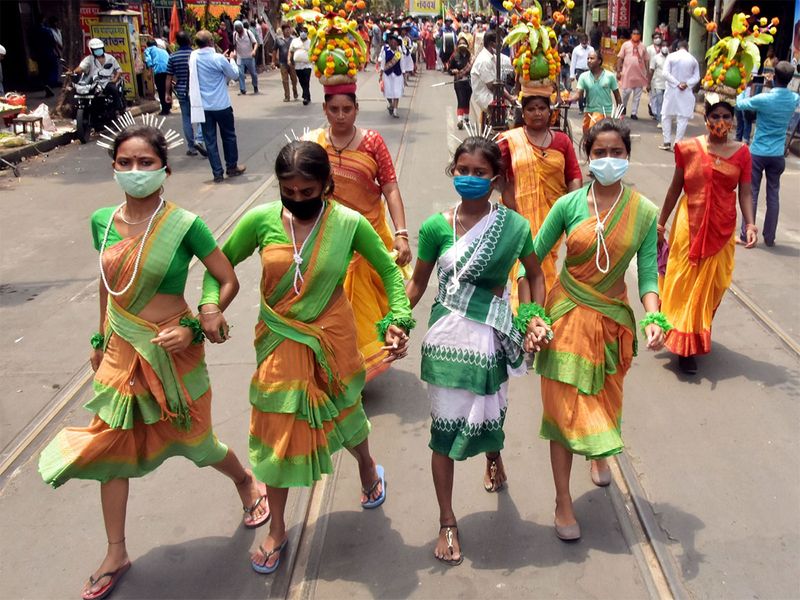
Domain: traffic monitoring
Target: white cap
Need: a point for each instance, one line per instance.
(2, 51)
(96, 43)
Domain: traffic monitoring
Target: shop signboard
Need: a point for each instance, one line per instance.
(116, 37)
(424, 7)
(215, 7)
(89, 14)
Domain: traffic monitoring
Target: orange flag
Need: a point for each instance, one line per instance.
(174, 22)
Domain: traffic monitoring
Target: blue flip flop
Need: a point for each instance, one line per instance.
(261, 567)
(380, 499)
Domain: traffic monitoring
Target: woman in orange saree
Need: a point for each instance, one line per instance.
(606, 224)
(306, 391)
(363, 175)
(152, 396)
(708, 170)
(541, 166)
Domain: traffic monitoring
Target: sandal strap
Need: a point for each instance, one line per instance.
(253, 508)
(268, 555)
(373, 487)
(110, 574)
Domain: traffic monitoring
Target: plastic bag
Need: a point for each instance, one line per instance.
(43, 111)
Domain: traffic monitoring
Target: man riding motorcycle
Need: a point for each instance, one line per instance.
(94, 66)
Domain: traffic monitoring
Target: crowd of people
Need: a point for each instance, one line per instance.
(333, 268)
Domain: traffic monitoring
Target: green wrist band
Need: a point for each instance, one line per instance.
(382, 326)
(197, 331)
(528, 311)
(97, 341)
(656, 318)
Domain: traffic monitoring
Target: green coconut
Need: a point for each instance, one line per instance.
(733, 78)
(340, 62)
(539, 69)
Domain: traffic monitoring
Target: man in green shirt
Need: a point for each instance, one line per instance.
(595, 88)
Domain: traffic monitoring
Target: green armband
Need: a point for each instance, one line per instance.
(382, 326)
(97, 341)
(197, 331)
(656, 318)
(528, 311)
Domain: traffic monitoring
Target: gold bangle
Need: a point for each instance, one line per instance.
(210, 312)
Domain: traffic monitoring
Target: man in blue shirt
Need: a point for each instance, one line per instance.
(773, 110)
(157, 59)
(178, 80)
(211, 72)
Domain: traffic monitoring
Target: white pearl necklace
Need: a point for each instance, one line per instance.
(600, 229)
(455, 284)
(298, 254)
(138, 253)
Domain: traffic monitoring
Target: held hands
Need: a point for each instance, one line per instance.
(682, 85)
(661, 231)
(751, 231)
(396, 344)
(174, 339)
(537, 336)
(215, 327)
(655, 337)
(95, 358)
(403, 250)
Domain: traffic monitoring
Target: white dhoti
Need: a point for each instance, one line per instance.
(392, 86)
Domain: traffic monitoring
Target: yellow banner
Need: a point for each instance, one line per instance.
(424, 7)
(117, 42)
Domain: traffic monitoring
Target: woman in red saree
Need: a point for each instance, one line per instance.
(429, 47)
(363, 176)
(709, 170)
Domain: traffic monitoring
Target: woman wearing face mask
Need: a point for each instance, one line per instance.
(606, 224)
(306, 391)
(474, 341)
(541, 166)
(709, 171)
(363, 174)
(152, 395)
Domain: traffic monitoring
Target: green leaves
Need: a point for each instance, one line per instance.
(516, 35)
(739, 23)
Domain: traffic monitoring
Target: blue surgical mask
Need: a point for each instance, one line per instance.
(140, 184)
(608, 170)
(98, 52)
(470, 187)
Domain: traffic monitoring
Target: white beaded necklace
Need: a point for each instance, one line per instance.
(298, 254)
(138, 253)
(600, 229)
(455, 284)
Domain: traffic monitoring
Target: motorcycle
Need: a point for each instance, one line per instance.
(95, 108)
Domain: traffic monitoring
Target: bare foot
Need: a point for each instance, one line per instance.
(448, 547)
(116, 557)
(250, 490)
(272, 542)
(565, 515)
(369, 478)
(495, 476)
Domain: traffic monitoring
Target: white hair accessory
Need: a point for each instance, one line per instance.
(126, 120)
(474, 131)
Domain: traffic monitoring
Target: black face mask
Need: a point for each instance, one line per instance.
(302, 209)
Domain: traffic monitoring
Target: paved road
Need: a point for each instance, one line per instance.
(716, 454)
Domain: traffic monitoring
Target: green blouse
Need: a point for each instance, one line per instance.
(262, 226)
(198, 241)
(571, 210)
(436, 238)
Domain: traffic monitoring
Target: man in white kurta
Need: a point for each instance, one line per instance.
(681, 73)
(483, 74)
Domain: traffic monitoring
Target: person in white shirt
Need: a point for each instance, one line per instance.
(681, 73)
(298, 57)
(654, 48)
(657, 83)
(578, 63)
(483, 73)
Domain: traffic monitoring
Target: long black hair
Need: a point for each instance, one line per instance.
(308, 160)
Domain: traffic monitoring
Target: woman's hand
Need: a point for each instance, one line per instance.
(95, 358)
(214, 325)
(538, 335)
(751, 231)
(174, 339)
(403, 251)
(396, 344)
(655, 337)
(662, 234)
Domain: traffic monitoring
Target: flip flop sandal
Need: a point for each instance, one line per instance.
(248, 512)
(113, 580)
(448, 534)
(261, 567)
(368, 493)
(493, 487)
